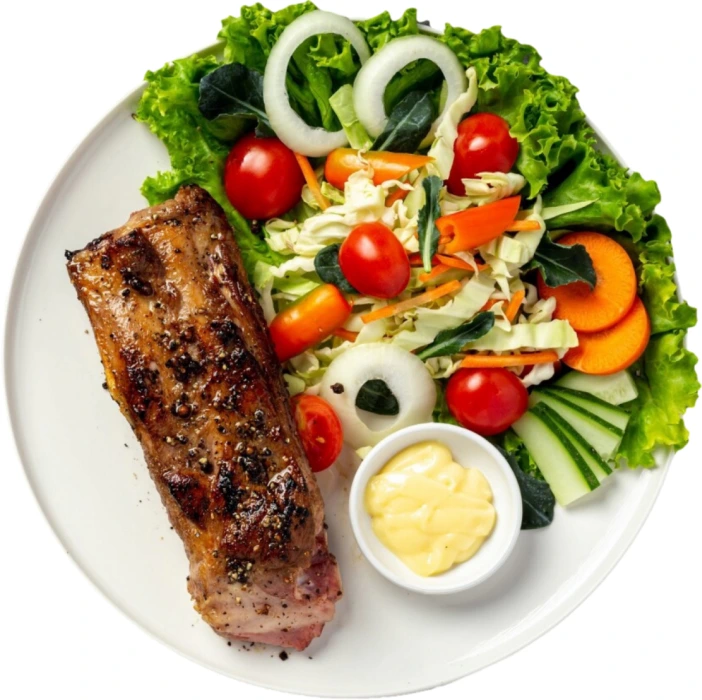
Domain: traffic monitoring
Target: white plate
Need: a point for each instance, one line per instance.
(89, 476)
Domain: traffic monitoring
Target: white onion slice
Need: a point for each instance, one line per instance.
(374, 76)
(404, 373)
(287, 124)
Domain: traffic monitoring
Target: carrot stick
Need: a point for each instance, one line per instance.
(345, 335)
(524, 225)
(518, 360)
(343, 162)
(490, 303)
(396, 196)
(426, 298)
(435, 272)
(312, 182)
(459, 264)
(513, 307)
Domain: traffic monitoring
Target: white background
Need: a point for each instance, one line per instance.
(64, 66)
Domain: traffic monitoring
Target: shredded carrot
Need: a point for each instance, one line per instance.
(490, 303)
(513, 307)
(396, 196)
(435, 272)
(459, 264)
(400, 307)
(518, 360)
(345, 335)
(524, 225)
(312, 182)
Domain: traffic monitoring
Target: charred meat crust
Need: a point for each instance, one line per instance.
(188, 358)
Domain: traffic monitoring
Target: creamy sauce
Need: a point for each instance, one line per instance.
(428, 510)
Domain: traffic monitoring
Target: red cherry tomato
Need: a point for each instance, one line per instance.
(320, 430)
(483, 145)
(374, 261)
(486, 401)
(262, 178)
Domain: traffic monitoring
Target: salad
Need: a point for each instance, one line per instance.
(435, 233)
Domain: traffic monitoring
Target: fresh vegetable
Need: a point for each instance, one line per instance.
(312, 182)
(402, 306)
(537, 498)
(233, 92)
(342, 333)
(612, 414)
(374, 261)
(373, 78)
(375, 396)
(566, 472)
(343, 162)
(615, 389)
(484, 145)
(426, 223)
(458, 264)
(487, 401)
(514, 305)
(472, 228)
(287, 124)
(436, 271)
(342, 104)
(453, 340)
(516, 360)
(262, 178)
(615, 348)
(405, 376)
(320, 430)
(524, 225)
(595, 309)
(313, 318)
(408, 125)
(561, 265)
(326, 264)
(598, 432)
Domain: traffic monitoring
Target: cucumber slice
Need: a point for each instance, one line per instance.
(616, 388)
(561, 465)
(612, 414)
(603, 436)
(597, 465)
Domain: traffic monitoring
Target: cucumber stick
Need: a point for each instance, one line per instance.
(597, 465)
(603, 436)
(616, 388)
(560, 463)
(606, 411)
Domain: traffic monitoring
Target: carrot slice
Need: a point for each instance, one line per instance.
(345, 335)
(518, 360)
(435, 272)
(396, 196)
(426, 298)
(524, 225)
(477, 226)
(311, 180)
(613, 349)
(344, 162)
(513, 307)
(591, 310)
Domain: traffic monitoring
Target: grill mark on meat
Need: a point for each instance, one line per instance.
(189, 360)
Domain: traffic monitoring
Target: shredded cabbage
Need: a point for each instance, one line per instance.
(552, 335)
(485, 189)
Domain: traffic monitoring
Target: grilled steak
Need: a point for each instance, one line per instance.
(188, 359)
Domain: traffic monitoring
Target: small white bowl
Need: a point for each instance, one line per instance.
(469, 450)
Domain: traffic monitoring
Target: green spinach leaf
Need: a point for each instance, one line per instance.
(426, 221)
(408, 124)
(234, 91)
(538, 501)
(326, 263)
(453, 340)
(561, 264)
(376, 396)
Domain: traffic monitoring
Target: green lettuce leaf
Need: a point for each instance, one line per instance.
(657, 281)
(668, 386)
(169, 106)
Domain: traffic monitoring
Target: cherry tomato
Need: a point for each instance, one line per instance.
(262, 178)
(374, 261)
(308, 321)
(483, 145)
(320, 430)
(486, 401)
